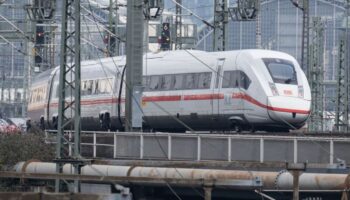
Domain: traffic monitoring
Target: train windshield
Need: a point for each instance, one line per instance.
(281, 71)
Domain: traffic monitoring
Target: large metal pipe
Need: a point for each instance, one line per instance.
(270, 180)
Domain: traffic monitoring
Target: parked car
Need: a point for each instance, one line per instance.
(8, 127)
(20, 123)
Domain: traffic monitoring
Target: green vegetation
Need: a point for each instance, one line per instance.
(23, 147)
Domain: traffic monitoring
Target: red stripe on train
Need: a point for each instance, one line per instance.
(203, 97)
(161, 98)
(195, 97)
(253, 101)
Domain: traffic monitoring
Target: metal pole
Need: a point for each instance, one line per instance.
(315, 75)
(178, 25)
(69, 88)
(258, 26)
(347, 76)
(2, 83)
(116, 22)
(296, 174)
(207, 193)
(220, 25)
(77, 82)
(134, 53)
(111, 42)
(305, 36)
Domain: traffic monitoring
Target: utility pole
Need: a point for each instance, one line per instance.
(220, 25)
(116, 23)
(342, 99)
(305, 36)
(296, 169)
(258, 25)
(178, 24)
(111, 46)
(134, 59)
(137, 10)
(305, 8)
(316, 75)
(69, 90)
(2, 79)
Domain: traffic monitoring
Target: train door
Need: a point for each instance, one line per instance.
(216, 91)
(234, 94)
(242, 94)
(49, 97)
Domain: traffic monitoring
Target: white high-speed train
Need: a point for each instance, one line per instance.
(245, 89)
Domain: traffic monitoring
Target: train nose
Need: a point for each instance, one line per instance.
(292, 110)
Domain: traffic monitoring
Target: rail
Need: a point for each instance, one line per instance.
(210, 147)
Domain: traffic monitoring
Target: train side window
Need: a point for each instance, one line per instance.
(86, 87)
(57, 90)
(204, 80)
(244, 80)
(166, 82)
(235, 78)
(191, 81)
(89, 87)
(104, 86)
(83, 88)
(145, 82)
(226, 82)
(177, 83)
(154, 83)
(95, 89)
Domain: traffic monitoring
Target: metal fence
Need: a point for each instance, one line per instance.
(210, 147)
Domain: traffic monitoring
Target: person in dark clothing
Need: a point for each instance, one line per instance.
(29, 125)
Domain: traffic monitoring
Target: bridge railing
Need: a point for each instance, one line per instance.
(210, 147)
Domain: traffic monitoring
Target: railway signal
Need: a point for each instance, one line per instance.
(165, 37)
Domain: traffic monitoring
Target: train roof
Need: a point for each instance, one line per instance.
(258, 53)
(167, 62)
(42, 77)
(181, 61)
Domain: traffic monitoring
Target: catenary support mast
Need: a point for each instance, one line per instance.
(69, 89)
(134, 53)
(220, 25)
